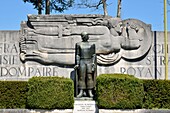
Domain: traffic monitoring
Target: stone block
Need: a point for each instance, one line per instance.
(85, 106)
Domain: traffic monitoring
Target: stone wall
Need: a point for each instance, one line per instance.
(150, 66)
(10, 64)
(45, 47)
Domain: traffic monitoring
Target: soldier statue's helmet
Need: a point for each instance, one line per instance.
(84, 36)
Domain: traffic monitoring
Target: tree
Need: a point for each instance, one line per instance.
(105, 7)
(119, 6)
(94, 4)
(47, 10)
(97, 3)
(39, 7)
(49, 5)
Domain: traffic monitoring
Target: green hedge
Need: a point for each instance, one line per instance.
(119, 91)
(157, 94)
(113, 91)
(50, 93)
(13, 94)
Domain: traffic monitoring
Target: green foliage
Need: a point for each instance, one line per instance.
(119, 91)
(113, 91)
(61, 5)
(34, 3)
(56, 5)
(13, 94)
(50, 93)
(157, 94)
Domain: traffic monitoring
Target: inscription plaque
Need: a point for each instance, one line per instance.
(84, 106)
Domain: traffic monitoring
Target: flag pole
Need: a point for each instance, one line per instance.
(165, 39)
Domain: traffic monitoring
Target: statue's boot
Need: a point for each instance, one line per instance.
(90, 93)
(80, 94)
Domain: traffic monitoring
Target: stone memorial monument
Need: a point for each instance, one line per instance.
(45, 46)
(81, 47)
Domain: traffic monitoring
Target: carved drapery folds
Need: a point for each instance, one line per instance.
(51, 39)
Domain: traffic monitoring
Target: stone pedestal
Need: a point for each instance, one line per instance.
(85, 106)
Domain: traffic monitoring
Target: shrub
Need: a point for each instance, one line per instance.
(157, 94)
(50, 93)
(119, 91)
(13, 94)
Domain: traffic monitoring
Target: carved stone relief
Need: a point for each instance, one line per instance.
(51, 39)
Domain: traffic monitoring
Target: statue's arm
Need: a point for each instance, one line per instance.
(94, 53)
(77, 56)
(94, 57)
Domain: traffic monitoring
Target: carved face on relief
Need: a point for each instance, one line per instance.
(130, 39)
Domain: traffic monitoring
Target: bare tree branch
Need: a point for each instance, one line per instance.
(92, 4)
(89, 4)
(105, 7)
(119, 6)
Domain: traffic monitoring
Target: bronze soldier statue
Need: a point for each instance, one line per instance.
(85, 58)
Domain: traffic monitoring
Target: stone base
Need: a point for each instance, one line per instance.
(85, 106)
(83, 99)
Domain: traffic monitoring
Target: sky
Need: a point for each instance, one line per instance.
(148, 11)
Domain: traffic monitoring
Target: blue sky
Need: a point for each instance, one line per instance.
(148, 11)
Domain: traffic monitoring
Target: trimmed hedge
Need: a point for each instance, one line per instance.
(13, 94)
(113, 91)
(50, 93)
(157, 94)
(119, 91)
